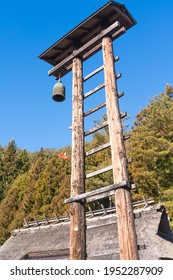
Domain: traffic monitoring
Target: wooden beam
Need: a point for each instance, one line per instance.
(94, 90)
(84, 55)
(125, 219)
(126, 136)
(100, 196)
(77, 211)
(98, 47)
(123, 115)
(97, 70)
(95, 150)
(94, 109)
(97, 172)
(129, 160)
(85, 47)
(120, 94)
(96, 128)
(96, 192)
(119, 75)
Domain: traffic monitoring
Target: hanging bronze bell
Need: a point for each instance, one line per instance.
(58, 92)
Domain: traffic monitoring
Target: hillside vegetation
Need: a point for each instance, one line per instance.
(36, 184)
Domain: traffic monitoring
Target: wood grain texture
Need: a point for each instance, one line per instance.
(123, 200)
(77, 212)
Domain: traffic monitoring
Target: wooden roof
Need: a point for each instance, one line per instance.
(85, 32)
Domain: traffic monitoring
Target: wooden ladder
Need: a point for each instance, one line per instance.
(121, 185)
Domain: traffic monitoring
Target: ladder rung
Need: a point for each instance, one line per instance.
(97, 70)
(95, 150)
(119, 75)
(129, 160)
(123, 115)
(95, 109)
(93, 73)
(96, 192)
(120, 94)
(96, 128)
(100, 196)
(100, 171)
(94, 90)
(126, 137)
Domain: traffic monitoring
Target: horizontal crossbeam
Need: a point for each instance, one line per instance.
(120, 94)
(89, 112)
(103, 147)
(94, 90)
(123, 115)
(103, 125)
(96, 128)
(99, 69)
(97, 172)
(100, 196)
(95, 150)
(86, 195)
(85, 47)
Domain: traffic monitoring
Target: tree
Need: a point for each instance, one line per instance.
(12, 163)
(151, 146)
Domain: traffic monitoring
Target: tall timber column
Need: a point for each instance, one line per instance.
(77, 211)
(123, 200)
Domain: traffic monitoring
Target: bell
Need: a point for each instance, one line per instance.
(58, 92)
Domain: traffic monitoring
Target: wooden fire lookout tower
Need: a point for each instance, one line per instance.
(96, 33)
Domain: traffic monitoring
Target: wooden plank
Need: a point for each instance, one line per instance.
(96, 128)
(119, 75)
(129, 160)
(97, 172)
(95, 150)
(123, 115)
(96, 192)
(100, 196)
(94, 90)
(97, 70)
(118, 33)
(112, 27)
(77, 211)
(126, 137)
(120, 94)
(89, 112)
(125, 219)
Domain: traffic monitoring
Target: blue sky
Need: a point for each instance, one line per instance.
(27, 28)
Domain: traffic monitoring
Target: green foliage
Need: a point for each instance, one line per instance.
(12, 163)
(36, 187)
(36, 184)
(151, 146)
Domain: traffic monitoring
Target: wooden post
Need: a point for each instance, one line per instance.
(77, 211)
(123, 200)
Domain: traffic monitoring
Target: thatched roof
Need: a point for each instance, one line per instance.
(51, 241)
